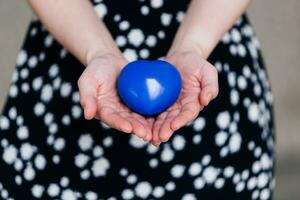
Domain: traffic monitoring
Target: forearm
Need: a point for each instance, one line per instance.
(205, 23)
(75, 24)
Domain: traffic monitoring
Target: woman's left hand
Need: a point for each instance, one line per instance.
(199, 87)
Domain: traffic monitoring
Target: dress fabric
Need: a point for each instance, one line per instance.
(48, 150)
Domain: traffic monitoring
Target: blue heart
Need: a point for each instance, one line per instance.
(149, 87)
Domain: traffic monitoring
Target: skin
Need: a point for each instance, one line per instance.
(203, 26)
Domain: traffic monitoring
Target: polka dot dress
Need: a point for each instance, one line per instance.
(48, 150)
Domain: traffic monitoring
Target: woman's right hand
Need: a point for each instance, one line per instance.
(100, 100)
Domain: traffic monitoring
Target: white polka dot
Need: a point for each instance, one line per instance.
(167, 154)
(9, 154)
(156, 3)
(251, 184)
(235, 143)
(56, 159)
(210, 174)
(18, 180)
(21, 58)
(223, 120)
(48, 41)
(37, 83)
(135, 37)
(12, 113)
(91, 195)
(131, 179)
(199, 183)
(59, 144)
(66, 120)
(226, 38)
(47, 93)
(235, 35)
(195, 169)
(26, 151)
(53, 71)
(85, 174)
(65, 89)
(32, 62)
(144, 53)
(85, 142)
(29, 173)
(123, 172)
(68, 195)
(228, 171)
(262, 180)
(130, 54)
(22, 132)
(124, 25)
(25, 87)
(197, 139)
(39, 109)
(24, 73)
(158, 192)
(81, 160)
(178, 142)
(40, 162)
(48, 119)
(253, 112)
(101, 10)
(13, 91)
(199, 124)
(189, 196)
(137, 142)
(37, 191)
(177, 171)
(97, 151)
(145, 10)
(206, 160)
(242, 82)
(143, 189)
(165, 19)
(64, 181)
(221, 138)
(170, 186)
(121, 40)
(153, 162)
(240, 187)
(117, 18)
(151, 41)
(219, 183)
(265, 194)
(127, 194)
(234, 97)
(100, 167)
(4, 123)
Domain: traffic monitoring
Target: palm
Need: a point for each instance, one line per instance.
(190, 101)
(99, 79)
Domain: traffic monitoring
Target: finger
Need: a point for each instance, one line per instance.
(115, 120)
(156, 126)
(137, 126)
(209, 85)
(145, 123)
(188, 113)
(87, 93)
(165, 130)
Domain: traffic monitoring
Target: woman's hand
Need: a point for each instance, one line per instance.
(99, 97)
(199, 87)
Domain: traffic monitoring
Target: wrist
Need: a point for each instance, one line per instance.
(187, 46)
(95, 52)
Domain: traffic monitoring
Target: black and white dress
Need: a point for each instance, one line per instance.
(48, 150)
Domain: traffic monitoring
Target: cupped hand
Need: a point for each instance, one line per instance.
(100, 100)
(199, 87)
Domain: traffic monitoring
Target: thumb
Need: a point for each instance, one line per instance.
(88, 92)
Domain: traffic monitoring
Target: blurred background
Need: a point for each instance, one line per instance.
(277, 25)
